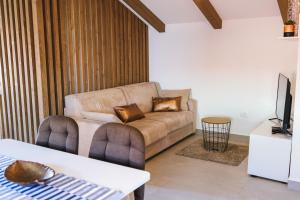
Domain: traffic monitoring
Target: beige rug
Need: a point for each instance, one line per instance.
(234, 155)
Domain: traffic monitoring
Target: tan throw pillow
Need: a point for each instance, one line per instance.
(129, 113)
(185, 94)
(166, 104)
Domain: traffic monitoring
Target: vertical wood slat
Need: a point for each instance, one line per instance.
(49, 56)
(83, 43)
(100, 43)
(62, 7)
(126, 47)
(53, 48)
(26, 106)
(57, 58)
(89, 45)
(95, 45)
(107, 46)
(41, 62)
(117, 42)
(32, 68)
(71, 45)
(19, 81)
(112, 40)
(77, 65)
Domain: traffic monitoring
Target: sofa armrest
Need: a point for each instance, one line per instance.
(193, 107)
(87, 129)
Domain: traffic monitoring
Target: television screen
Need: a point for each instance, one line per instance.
(281, 96)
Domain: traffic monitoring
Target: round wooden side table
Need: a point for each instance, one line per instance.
(216, 131)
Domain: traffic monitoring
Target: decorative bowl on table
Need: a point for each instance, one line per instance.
(28, 173)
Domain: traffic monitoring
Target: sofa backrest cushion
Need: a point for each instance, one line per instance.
(102, 101)
(141, 94)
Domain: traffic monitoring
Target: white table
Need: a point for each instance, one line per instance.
(101, 173)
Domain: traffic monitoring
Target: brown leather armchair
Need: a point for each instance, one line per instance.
(120, 144)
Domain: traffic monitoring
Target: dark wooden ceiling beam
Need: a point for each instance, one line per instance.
(283, 6)
(209, 12)
(146, 14)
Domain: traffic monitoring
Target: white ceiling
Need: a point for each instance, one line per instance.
(184, 11)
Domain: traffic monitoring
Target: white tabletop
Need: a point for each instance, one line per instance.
(101, 173)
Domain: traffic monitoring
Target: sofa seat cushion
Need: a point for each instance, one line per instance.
(141, 94)
(151, 130)
(172, 120)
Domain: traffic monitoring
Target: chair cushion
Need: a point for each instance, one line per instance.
(151, 130)
(172, 120)
(122, 145)
(60, 133)
(141, 94)
(119, 144)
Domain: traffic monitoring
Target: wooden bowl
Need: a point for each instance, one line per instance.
(28, 173)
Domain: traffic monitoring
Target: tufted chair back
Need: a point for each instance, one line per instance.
(120, 144)
(60, 133)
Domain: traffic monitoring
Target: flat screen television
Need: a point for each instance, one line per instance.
(283, 105)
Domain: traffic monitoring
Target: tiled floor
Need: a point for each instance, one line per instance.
(179, 178)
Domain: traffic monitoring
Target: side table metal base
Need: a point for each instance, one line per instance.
(216, 133)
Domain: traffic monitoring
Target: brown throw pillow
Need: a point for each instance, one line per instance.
(166, 104)
(129, 113)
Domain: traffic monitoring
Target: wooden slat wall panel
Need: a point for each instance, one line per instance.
(19, 116)
(92, 45)
(53, 48)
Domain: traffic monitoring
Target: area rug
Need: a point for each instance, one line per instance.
(234, 155)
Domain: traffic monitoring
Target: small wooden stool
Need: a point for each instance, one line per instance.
(216, 131)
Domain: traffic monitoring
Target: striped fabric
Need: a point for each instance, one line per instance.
(60, 187)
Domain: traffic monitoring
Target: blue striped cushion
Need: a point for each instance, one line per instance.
(60, 187)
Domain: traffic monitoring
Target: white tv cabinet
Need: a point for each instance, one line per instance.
(269, 155)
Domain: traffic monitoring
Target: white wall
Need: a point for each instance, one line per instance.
(232, 71)
(295, 157)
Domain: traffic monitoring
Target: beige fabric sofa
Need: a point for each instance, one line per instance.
(160, 129)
